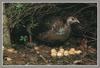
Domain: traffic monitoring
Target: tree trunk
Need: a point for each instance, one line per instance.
(6, 32)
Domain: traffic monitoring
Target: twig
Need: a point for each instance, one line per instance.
(70, 6)
(43, 58)
(91, 40)
(85, 60)
(82, 9)
(90, 37)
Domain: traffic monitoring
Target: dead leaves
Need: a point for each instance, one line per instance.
(8, 59)
(77, 62)
(46, 55)
(10, 50)
(86, 48)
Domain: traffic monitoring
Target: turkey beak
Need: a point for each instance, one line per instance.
(77, 21)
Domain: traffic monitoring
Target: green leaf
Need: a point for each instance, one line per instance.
(18, 6)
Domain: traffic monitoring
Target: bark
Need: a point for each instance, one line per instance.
(6, 32)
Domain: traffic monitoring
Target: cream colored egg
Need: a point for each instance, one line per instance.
(78, 52)
(60, 54)
(53, 50)
(61, 50)
(54, 54)
(71, 52)
(72, 49)
(66, 53)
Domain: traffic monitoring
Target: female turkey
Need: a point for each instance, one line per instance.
(59, 30)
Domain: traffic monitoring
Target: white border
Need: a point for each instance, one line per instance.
(59, 66)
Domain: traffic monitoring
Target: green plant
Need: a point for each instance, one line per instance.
(23, 39)
(19, 7)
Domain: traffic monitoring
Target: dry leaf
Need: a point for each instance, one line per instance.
(77, 61)
(8, 59)
(91, 50)
(83, 45)
(36, 48)
(11, 50)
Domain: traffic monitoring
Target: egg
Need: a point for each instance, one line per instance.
(53, 50)
(61, 50)
(66, 53)
(78, 52)
(72, 51)
(54, 54)
(60, 54)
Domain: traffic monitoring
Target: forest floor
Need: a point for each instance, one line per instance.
(41, 55)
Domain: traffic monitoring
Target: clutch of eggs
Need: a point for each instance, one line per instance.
(61, 52)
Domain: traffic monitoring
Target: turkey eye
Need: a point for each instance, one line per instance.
(72, 18)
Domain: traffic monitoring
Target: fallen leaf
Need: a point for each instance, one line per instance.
(36, 48)
(77, 62)
(8, 59)
(11, 50)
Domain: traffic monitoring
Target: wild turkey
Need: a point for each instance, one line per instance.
(59, 30)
